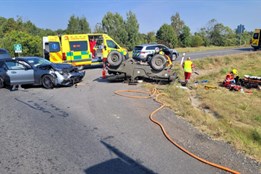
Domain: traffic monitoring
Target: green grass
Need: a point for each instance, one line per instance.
(202, 48)
(233, 116)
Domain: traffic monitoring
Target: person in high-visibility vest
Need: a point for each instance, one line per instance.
(188, 68)
(231, 78)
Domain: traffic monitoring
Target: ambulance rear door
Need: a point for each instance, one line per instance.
(52, 49)
(76, 49)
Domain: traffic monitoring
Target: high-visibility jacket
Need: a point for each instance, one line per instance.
(188, 66)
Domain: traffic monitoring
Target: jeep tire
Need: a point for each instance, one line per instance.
(158, 62)
(114, 58)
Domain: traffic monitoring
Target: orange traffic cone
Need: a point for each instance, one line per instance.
(103, 73)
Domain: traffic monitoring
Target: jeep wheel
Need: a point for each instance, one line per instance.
(114, 58)
(158, 62)
(174, 57)
(48, 81)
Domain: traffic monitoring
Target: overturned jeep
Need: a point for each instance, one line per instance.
(158, 69)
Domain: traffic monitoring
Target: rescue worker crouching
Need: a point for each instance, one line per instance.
(231, 78)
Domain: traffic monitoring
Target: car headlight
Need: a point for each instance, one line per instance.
(61, 72)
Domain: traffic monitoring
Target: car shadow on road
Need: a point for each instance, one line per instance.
(245, 49)
(122, 164)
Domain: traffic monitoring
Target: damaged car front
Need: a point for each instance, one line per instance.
(66, 74)
(62, 74)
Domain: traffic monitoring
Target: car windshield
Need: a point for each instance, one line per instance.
(35, 61)
(138, 48)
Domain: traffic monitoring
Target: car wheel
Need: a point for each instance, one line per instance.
(158, 62)
(114, 58)
(174, 56)
(149, 58)
(48, 81)
(1, 82)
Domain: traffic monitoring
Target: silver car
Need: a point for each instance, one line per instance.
(145, 52)
(37, 71)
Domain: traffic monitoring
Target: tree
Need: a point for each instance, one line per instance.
(177, 24)
(9, 25)
(84, 25)
(151, 37)
(166, 35)
(142, 38)
(196, 41)
(132, 29)
(114, 25)
(222, 35)
(78, 25)
(185, 37)
(98, 28)
(29, 27)
(73, 25)
(31, 44)
(204, 35)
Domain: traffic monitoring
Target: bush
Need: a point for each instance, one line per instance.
(196, 41)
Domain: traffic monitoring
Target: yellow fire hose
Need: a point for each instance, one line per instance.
(155, 93)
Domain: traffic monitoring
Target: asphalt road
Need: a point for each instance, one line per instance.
(88, 129)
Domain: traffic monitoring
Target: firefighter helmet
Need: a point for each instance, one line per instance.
(234, 71)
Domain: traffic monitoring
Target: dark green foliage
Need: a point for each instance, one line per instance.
(151, 37)
(132, 28)
(78, 25)
(113, 25)
(166, 35)
(124, 32)
(185, 37)
(31, 45)
(196, 41)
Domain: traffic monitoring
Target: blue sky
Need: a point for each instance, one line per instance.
(151, 14)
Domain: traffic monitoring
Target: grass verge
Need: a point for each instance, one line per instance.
(201, 48)
(225, 115)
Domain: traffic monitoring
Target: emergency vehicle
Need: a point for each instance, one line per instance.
(80, 49)
(256, 39)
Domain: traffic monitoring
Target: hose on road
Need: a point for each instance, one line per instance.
(156, 94)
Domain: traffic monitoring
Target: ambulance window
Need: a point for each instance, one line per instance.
(111, 44)
(255, 36)
(54, 46)
(78, 46)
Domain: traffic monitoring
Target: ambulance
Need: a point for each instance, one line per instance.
(80, 49)
(256, 39)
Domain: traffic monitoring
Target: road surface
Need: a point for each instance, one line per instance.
(90, 130)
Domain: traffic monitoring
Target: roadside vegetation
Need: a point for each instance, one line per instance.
(203, 48)
(232, 116)
(126, 32)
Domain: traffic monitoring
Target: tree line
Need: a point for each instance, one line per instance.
(125, 32)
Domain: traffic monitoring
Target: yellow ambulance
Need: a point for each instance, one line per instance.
(256, 39)
(80, 49)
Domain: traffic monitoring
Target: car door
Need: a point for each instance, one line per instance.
(19, 72)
